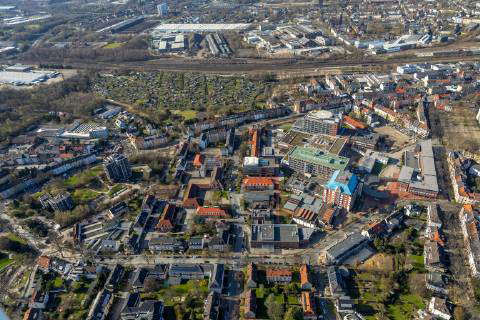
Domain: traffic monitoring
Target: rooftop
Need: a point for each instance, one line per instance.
(319, 157)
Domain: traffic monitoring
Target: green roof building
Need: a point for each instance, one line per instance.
(315, 161)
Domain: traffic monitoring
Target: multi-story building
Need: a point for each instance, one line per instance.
(117, 168)
(307, 160)
(60, 202)
(319, 122)
(342, 189)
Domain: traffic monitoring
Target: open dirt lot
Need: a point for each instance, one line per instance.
(459, 129)
(399, 138)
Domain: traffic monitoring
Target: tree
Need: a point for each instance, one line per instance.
(294, 313)
(275, 310)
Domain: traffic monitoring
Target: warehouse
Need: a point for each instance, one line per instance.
(202, 27)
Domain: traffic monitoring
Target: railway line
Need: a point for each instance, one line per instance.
(280, 67)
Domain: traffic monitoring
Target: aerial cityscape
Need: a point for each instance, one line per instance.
(249, 159)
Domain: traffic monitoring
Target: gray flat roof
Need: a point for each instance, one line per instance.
(340, 248)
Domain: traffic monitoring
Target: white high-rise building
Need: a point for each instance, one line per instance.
(162, 9)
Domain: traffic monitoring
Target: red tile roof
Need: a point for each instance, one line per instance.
(258, 181)
(43, 262)
(278, 273)
(211, 212)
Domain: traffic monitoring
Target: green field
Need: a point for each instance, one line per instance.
(84, 195)
(113, 45)
(5, 262)
(186, 114)
(406, 307)
(174, 294)
(115, 189)
(84, 177)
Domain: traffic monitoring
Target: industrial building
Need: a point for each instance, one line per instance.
(117, 27)
(201, 27)
(218, 45)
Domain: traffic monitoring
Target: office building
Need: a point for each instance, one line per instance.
(117, 168)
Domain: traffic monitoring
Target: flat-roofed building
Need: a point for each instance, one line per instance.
(319, 122)
(275, 236)
(316, 162)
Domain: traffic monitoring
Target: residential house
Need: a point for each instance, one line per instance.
(186, 271)
(305, 278)
(196, 243)
(115, 277)
(438, 308)
(212, 306)
(216, 278)
(166, 244)
(342, 189)
(251, 276)
(433, 258)
(250, 305)
(211, 213)
(308, 305)
(39, 299)
(283, 276)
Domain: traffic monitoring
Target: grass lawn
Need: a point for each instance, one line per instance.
(113, 45)
(186, 114)
(260, 293)
(174, 294)
(84, 195)
(286, 126)
(58, 282)
(14, 237)
(85, 176)
(115, 189)
(280, 298)
(293, 300)
(417, 262)
(406, 307)
(5, 262)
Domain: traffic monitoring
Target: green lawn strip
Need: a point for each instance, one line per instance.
(84, 195)
(174, 294)
(280, 298)
(58, 282)
(115, 189)
(5, 262)
(14, 237)
(84, 176)
(293, 300)
(113, 45)
(186, 114)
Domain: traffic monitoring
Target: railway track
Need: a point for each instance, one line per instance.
(282, 67)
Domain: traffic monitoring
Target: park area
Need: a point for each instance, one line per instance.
(391, 284)
(182, 301)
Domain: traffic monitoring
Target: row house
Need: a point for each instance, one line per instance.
(239, 118)
(470, 231)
